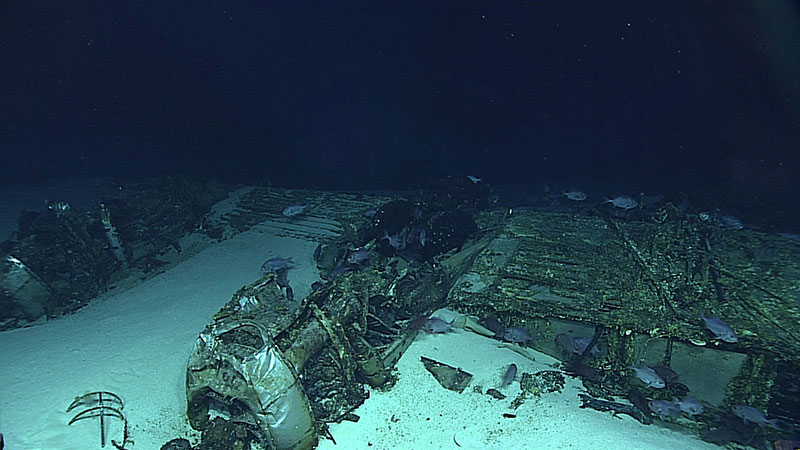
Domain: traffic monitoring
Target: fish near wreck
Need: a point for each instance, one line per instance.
(273, 265)
(691, 406)
(435, 325)
(358, 256)
(648, 376)
(576, 196)
(295, 209)
(517, 335)
(731, 222)
(623, 202)
(396, 241)
(720, 329)
(665, 408)
(575, 345)
(754, 415)
(509, 376)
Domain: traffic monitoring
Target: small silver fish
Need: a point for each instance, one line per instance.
(754, 415)
(474, 179)
(358, 256)
(576, 196)
(273, 265)
(691, 406)
(731, 222)
(435, 325)
(509, 376)
(397, 241)
(623, 202)
(665, 408)
(294, 209)
(517, 335)
(648, 376)
(720, 329)
(575, 344)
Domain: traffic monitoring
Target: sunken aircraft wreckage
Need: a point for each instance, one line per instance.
(636, 289)
(600, 290)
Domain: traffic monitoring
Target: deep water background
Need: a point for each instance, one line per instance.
(651, 96)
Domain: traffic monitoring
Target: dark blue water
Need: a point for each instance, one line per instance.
(618, 96)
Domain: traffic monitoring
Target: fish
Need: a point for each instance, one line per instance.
(435, 325)
(474, 179)
(422, 238)
(273, 265)
(294, 209)
(397, 241)
(720, 329)
(691, 406)
(517, 335)
(754, 415)
(648, 376)
(576, 196)
(731, 222)
(575, 344)
(623, 202)
(509, 376)
(358, 256)
(665, 408)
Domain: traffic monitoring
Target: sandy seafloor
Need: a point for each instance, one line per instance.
(135, 342)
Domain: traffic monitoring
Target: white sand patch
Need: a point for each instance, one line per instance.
(134, 343)
(419, 413)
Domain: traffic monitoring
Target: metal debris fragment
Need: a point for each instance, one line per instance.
(449, 377)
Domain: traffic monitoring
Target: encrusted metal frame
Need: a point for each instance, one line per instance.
(101, 404)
